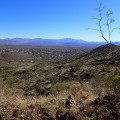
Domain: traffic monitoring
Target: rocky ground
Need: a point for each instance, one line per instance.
(102, 108)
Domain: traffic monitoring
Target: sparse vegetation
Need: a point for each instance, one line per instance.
(77, 65)
(39, 89)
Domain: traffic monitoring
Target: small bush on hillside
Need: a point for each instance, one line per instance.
(110, 67)
(57, 88)
(65, 78)
(77, 65)
(118, 63)
(112, 82)
(38, 88)
(10, 80)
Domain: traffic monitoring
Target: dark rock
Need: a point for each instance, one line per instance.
(0, 117)
(47, 116)
(109, 97)
(30, 106)
(87, 75)
(70, 101)
(72, 69)
(65, 116)
(15, 113)
(97, 101)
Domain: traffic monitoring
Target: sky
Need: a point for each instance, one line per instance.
(54, 19)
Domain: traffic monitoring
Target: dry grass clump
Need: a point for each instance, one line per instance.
(20, 107)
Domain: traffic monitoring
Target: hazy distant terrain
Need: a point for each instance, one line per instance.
(66, 42)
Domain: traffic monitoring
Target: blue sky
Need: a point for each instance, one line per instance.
(53, 18)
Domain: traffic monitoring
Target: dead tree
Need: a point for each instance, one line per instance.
(104, 22)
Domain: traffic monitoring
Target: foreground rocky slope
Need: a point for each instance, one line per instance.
(105, 108)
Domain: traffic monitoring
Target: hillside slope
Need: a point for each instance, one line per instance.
(59, 86)
(103, 53)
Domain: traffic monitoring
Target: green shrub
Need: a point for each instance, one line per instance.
(112, 82)
(38, 89)
(10, 80)
(77, 65)
(110, 67)
(57, 88)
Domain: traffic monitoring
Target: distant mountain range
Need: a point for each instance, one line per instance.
(67, 42)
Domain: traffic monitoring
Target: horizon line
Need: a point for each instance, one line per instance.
(54, 39)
